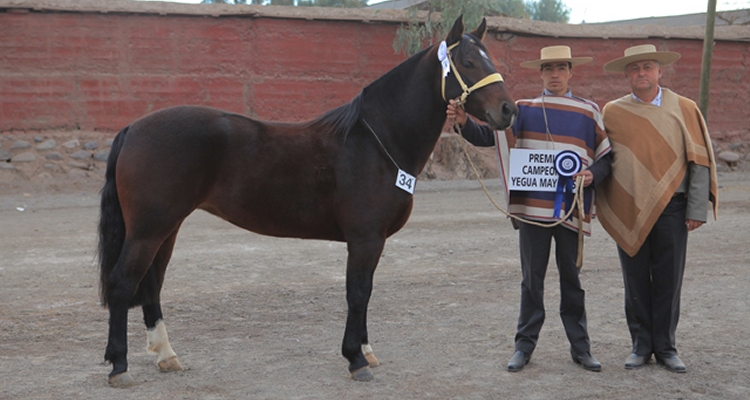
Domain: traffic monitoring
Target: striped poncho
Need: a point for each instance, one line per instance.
(652, 146)
(574, 124)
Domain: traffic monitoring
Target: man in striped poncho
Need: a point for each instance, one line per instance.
(663, 177)
(555, 121)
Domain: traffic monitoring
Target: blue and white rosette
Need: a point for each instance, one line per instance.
(567, 164)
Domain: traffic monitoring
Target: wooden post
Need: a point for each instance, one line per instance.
(708, 48)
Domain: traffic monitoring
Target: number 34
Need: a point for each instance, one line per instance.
(405, 182)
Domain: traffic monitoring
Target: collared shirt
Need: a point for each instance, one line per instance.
(656, 101)
(567, 94)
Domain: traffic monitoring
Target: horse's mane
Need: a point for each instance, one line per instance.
(342, 119)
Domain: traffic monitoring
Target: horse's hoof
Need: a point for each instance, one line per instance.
(363, 374)
(122, 380)
(372, 360)
(171, 364)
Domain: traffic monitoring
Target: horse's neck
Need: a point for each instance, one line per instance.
(407, 110)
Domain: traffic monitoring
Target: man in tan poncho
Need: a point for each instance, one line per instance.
(663, 177)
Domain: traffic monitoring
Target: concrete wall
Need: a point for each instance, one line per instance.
(101, 70)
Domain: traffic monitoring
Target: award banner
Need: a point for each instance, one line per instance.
(532, 170)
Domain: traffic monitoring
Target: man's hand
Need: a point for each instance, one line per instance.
(588, 177)
(693, 224)
(456, 113)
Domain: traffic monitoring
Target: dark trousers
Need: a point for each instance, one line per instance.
(653, 282)
(535, 245)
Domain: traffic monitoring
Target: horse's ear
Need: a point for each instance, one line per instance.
(480, 31)
(456, 32)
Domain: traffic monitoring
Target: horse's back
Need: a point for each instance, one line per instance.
(275, 179)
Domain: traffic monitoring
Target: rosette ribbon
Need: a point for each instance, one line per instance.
(567, 164)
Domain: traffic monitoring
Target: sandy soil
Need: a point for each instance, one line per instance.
(262, 318)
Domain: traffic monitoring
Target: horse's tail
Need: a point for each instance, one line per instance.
(111, 221)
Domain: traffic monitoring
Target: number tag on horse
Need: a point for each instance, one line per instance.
(406, 182)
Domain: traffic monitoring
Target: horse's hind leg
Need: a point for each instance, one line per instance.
(156, 331)
(117, 344)
(134, 261)
(158, 340)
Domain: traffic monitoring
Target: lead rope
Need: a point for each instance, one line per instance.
(577, 199)
(546, 124)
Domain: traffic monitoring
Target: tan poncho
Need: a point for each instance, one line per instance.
(651, 148)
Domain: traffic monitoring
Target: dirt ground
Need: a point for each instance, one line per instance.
(262, 318)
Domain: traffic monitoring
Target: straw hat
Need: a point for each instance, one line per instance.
(641, 53)
(552, 54)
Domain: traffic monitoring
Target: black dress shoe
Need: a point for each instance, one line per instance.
(672, 363)
(587, 361)
(635, 361)
(518, 361)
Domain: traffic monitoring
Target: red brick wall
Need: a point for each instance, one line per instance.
(100, 71)
(729, 104)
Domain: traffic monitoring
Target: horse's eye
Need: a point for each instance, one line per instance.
(468, 63)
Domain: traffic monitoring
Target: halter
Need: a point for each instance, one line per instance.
(491, 78)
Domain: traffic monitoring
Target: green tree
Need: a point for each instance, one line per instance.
(302, 3)
(511, 8)
(231, 1)
(332, 3)
(548, 10)
(412, 36)
(415, 34)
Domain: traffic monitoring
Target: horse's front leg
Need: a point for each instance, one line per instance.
(366, 348)
(362, 261)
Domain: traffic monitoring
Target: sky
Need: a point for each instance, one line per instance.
(602, 11)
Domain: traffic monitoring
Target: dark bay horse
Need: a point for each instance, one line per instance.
(332, 178)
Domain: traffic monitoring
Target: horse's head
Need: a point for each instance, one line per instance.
(474, 80)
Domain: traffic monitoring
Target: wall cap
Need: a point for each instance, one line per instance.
(499, 25)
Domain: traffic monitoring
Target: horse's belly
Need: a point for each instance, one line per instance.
(276, 217)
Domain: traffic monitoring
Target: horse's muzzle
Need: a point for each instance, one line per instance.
(503, 118)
